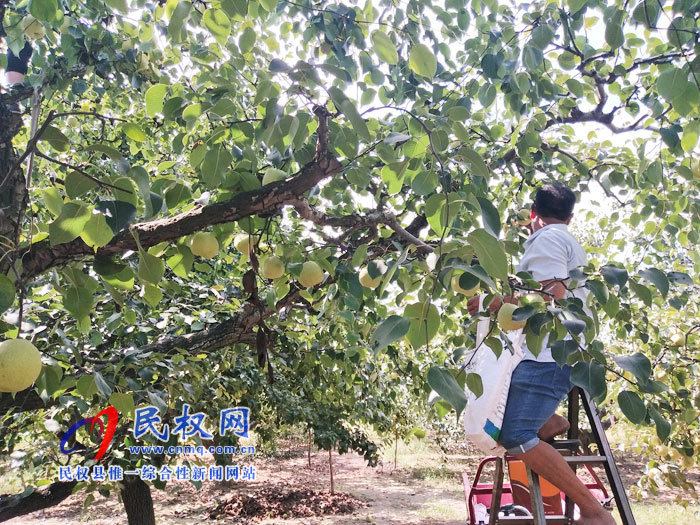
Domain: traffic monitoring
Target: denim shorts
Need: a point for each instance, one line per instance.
(536, 389)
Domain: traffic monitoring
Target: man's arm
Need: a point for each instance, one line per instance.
(551, 289)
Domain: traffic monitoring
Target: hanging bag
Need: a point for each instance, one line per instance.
(483, 415)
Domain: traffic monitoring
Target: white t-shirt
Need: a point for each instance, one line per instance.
(551, 253)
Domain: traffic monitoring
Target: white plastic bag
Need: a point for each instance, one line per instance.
(483, 416)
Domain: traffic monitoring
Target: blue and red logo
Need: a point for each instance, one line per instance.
(105, 434)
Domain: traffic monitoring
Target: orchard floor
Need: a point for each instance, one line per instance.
(421, 490)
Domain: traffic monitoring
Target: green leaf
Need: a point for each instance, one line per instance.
(441, 380)
(97, 232)
(102, 386)
(476, 163)
(86, 387)
(56, 139)
(152, 295)
(193, 111)
(657, 278)
(176, 194)
(490, 216)
(124, 403)
(77, 184)
(532, 57)
(600, 291)
(663, 427)
(392, 328)
(487, 94)
(384, 47)
(278, 66)
(672, 83)
(44, 10)
(69, 224)
(181, 262)
(647, 12)
(119, 5)
(490, 253)
(541, 36)
(52, 200)
(614, 275)
(7, 293)
(490, 64)
(216, 162)
(680, 278)
(134, 132)
(151, 268)
(422, 61)
(358, 123)
(590, 376)
(641, 291)
(632, 406)
(576, 5)
(119, 214)
(218, 24)
(691, 131)
(177, 21)
(79, 301)
(154, 99)
(425, 323)
(247, 40)
(637, 364)
(475, 385)
(268, 5)
(614, 35)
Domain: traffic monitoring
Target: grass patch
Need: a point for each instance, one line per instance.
(663, 514)
(433, 473)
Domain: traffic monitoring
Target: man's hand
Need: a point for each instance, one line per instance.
(473, 303)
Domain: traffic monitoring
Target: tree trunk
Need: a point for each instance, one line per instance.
(138, 504)
(308, 455)
(396, 447)
(330, 463)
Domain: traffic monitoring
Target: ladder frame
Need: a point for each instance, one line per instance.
(608, 460)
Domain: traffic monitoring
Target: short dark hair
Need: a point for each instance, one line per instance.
(555, 201)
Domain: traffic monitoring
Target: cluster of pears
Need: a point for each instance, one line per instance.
(273, 267)
(20, 365)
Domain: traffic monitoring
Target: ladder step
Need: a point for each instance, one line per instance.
(578, 460)
(522, 520)
(567, 444)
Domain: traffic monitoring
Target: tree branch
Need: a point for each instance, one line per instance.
(15, 505)
(264, 201)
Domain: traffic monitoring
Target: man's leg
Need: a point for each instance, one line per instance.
(554, 426)
(550, 464)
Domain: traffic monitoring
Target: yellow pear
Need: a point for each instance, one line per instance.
(273, 175)
(457, 288)
(367, 281)
(273, 267)
(505, 318)
(525, 214)
(677, 339)
(531, 299)
(204, 244)
(311, 274)
(33, 28)
(20, 365)
(72, 122)
(244, 243)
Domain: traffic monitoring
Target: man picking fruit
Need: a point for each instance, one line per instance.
(538, 383)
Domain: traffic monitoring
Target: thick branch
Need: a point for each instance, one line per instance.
(42, 256)
(42, 498)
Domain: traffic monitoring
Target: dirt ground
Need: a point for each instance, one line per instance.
(420, 491)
